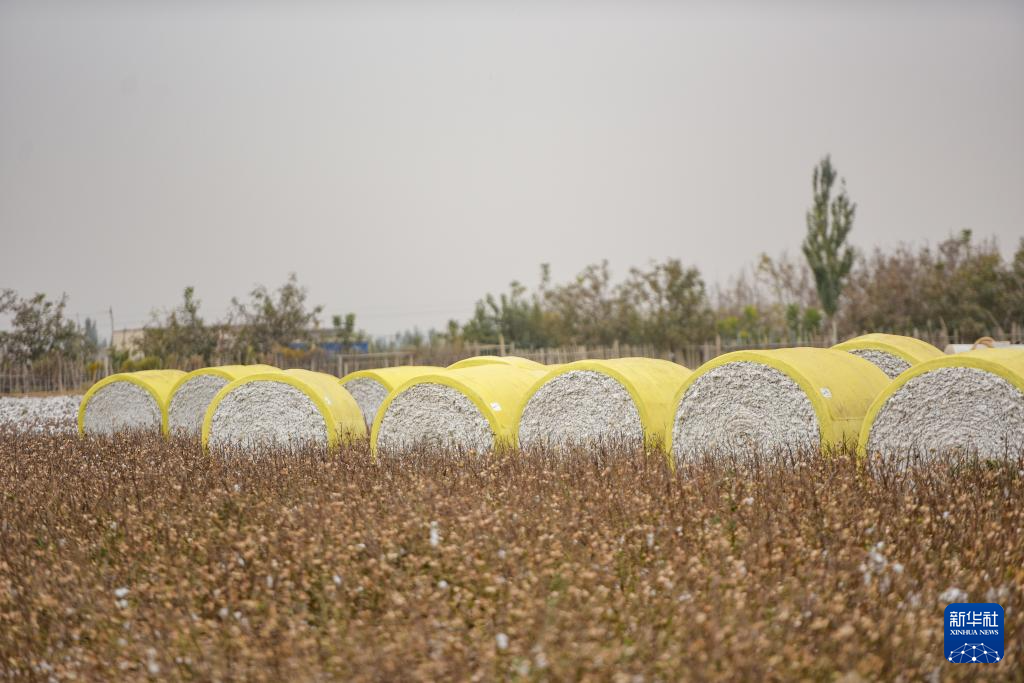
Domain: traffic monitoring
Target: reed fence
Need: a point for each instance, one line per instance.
(59, 375)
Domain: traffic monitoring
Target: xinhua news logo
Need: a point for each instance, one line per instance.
(974, 633)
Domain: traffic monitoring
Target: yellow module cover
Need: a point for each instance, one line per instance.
(910, 349)
(159, 384)
(1005, 363)
(496, 389)
(228, 372)
(515, 361)
(341, 415)
(652, 384)
(390, 378)
(840, 386)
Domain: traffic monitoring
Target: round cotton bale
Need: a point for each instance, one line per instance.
(625, 401)
(469, 409)
(370, 387)
(787, 399)
(193, 392)
(514, 361)
(893, 354)
(286, 409)
(970, 403)
(128, 401)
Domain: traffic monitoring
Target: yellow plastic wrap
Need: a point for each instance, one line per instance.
(911, 350)
(840, 386)
(1005, 363)
(390, 378)
(515, 361)
(496, 389)
(341, 414)
(159, 384)
(228, 372)
(652, 384)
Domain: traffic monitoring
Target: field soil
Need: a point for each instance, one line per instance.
(133, 558)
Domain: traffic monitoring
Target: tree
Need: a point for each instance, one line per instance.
(667, 306)
(747, 327)
(345, 329)
(1016, 289)
(270, 320)
(773, 300)
(510, 318)
(39, 329)
(180, 335)
(91, 332)
(962, 287)
(789, 281)
(971, 285)
(453, 333)
(828, 225)
(587, 310)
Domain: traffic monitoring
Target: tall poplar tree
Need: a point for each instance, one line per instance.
(829, 221)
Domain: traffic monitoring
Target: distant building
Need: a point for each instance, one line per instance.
(127, 340)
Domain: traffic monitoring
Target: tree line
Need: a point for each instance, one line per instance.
(960, 286)
(267, 321)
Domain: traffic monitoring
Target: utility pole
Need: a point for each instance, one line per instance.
(108, 361)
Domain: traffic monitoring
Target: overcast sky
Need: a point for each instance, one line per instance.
(406, 158)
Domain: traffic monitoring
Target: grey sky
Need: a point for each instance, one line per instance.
(405, 158)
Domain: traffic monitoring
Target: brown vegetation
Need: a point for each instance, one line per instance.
(135, 558)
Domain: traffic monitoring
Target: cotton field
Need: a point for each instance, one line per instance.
(754, 518)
